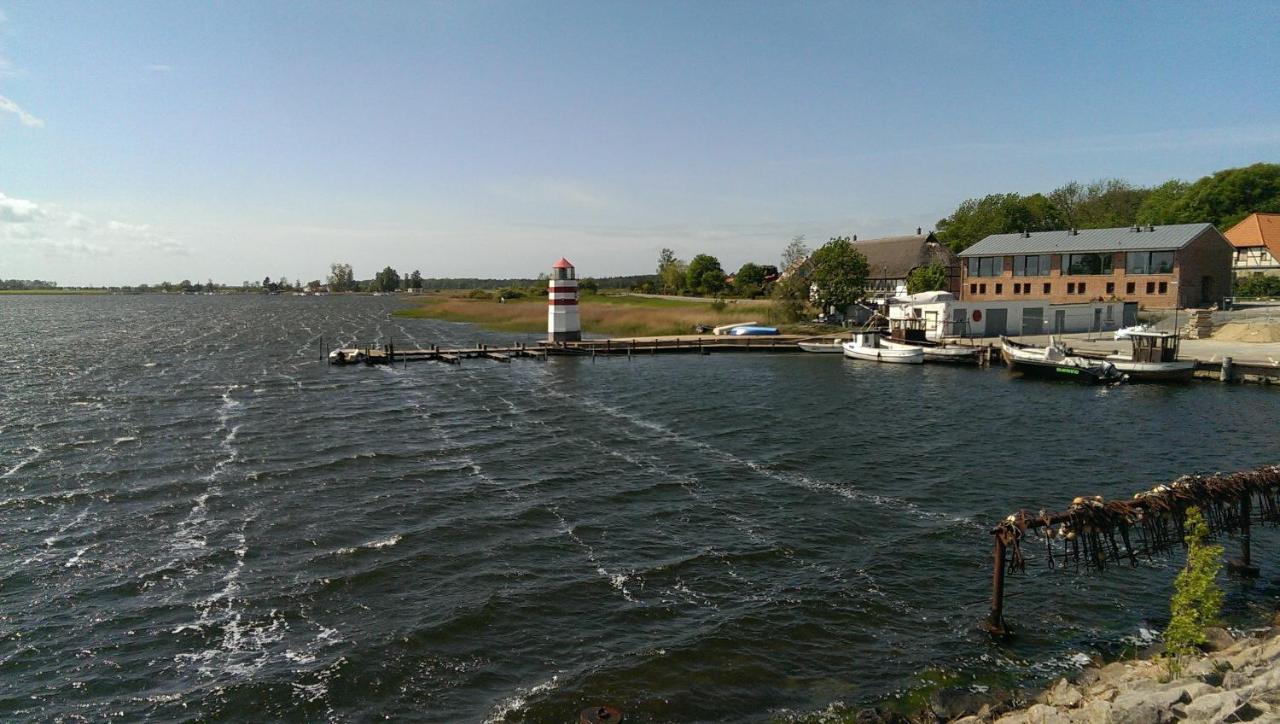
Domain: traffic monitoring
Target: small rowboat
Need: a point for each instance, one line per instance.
(833, 346)
(952, 354)
(1056, 362)
(750, 330)
(728, 328)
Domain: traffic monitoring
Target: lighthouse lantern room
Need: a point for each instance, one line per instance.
(563, 324)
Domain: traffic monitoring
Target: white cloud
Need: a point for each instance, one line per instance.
(26, 118)
(158, 68)
(49, 231)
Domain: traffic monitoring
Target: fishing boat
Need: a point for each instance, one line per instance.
(910, 331)
(874, 348)
(831, 346)
(1056, 362)
(1154, 358)
(951, 354)
(728, 328)
(751, 330)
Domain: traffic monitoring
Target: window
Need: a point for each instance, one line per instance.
(1071, 287)
(1047, 287)
(1080, 288)
(1017, 288)
(1164, 287)
(973, 288)
(999, 288)
(1026, 288)
(1111, 313)
(1151, 287)
(982, 288)
(986, 266)
(1149, 262)
(1130, 288)
(1031, 265)
(1088, 264)
(1111, 289)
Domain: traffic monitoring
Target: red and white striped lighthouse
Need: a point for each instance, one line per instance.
(563, 324)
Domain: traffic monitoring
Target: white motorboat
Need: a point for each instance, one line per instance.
(1154, 358)
(831, 346)
(872, 347)
(952, 353)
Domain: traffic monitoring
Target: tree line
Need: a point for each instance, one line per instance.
(1221, 199)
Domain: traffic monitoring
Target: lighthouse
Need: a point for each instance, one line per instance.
(563, 324)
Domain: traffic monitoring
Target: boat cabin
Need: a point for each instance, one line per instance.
(1154, 346)
(908, 330)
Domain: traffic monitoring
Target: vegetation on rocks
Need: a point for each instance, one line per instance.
(1197, 599)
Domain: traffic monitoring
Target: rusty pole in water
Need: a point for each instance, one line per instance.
(995, 620)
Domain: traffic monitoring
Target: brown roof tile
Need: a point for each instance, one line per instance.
(1258, 229)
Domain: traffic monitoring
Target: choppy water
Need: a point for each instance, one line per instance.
(201, 521)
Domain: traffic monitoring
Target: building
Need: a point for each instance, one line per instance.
(891, 260)
(945, 316)
(563, 322)
(1159, 267)
(1257, 245)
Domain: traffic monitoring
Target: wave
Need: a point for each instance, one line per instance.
(36, 451)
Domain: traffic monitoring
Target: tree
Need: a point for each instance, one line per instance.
(341, 278)
(1258, 285)
(1161, 206)
(976, 219)
(839, 273)
(185, 285)
(704, 275)
(749, 281)
(932, 278)
(1197, 599)
(1228, 196)
(1109, 203)
(415, 280)
(671, 272)
(796, 253)
(589, 286)
(387, 280)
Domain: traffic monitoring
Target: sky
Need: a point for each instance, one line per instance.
(150, 141)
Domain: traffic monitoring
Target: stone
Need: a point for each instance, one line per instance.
(1148, 706)
(971, 719)
(1192, 689)
(1063, 695)
(1218, 638)
(1235, 680)
(1113, 673)
(1094, 712)
(1210, 706)
(1045, 714)
(948, 704)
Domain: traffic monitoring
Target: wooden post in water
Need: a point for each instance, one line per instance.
(1225, 374)
(994, 624)
(1244, 566)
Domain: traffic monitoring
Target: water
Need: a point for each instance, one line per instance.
(201, 521)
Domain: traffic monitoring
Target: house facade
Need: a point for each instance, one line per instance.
(891, 259)
(1158, 267)
(1256, 241)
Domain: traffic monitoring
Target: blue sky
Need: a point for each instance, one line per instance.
(144, 141)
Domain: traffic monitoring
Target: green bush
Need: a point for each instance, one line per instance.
(1258, 286)
(479, 294)
(718, 304)
(511, 293)
(1197, 599)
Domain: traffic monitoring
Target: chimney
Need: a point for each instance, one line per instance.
(1074, 231)
(1150, 227)
(855, 237)
(917, 231)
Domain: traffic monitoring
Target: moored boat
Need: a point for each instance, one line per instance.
(951, 353)
(872, 347)
(1056, 362)
(831, 346)
(728, 328)
(1154, 358)
(751, 330)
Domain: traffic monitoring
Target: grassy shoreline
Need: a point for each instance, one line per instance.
(614, 315)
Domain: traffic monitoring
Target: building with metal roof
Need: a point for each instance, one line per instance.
(1184, 265)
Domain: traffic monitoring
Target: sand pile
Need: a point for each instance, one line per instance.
(1248, 332)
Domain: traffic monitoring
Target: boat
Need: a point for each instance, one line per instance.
(727, 329)
(952, 354)
(744, 330)
(1127, 332)
(910, 331)
(346, 356)
(823, 346)
(872, 347)
(1057, 362)
(1154, 358)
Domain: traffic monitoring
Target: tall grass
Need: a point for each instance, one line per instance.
(619, 316)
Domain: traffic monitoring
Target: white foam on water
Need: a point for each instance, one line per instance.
(617, 580)
(520, 699)
(35, 453)
(120, 440)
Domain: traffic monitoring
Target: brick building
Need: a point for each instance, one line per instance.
(1156, 266)
(1257, 245)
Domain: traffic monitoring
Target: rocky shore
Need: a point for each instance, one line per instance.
(1238, 681)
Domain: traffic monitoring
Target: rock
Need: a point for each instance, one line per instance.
(1113, 673)
(1063, 695)
(1094, 712)
(1045, 714)
(1218, 638)
(971, 719)
(1192, 689)
(1210, 706)
(1150, 706)
(1235, 680)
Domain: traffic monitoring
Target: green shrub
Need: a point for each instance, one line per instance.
(479, 294)
(511, 293)
(718, 305)
(1197, 599)
(1258, 286)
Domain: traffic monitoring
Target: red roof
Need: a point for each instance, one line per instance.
(562, 264)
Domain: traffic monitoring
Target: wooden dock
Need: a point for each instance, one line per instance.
(384, 354)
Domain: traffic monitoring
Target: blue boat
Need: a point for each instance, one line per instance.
(752, 330)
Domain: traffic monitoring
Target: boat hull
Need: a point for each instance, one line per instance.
(951, 355)
(1049, 370)
(892, 356)
(821, 347)
(1181, 371)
